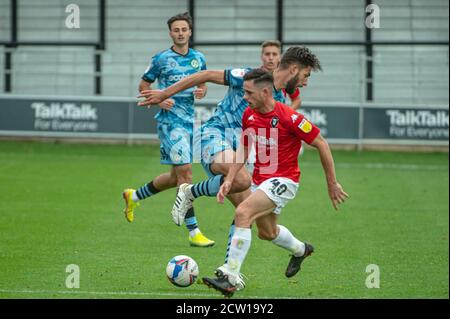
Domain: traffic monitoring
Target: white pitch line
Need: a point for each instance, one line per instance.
(405, 167)
(117, 293)
(129, 293)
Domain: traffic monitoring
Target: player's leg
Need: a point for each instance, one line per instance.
(159, 184)
(282, 237)
(228, 276)
(235, 199)
(219, 169)
(183, 173)
(210, 187)
(268, 229)
(281, 191)
(221, 166)
(181, 155)
(217, 156)
(196, 238)
(187, 193)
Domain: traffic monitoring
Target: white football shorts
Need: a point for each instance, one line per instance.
(280, 191)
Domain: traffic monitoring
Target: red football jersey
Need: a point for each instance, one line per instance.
(277, 136)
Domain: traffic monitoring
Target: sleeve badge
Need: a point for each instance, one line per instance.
(305, 126)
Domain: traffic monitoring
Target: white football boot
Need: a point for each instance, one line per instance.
(183, 202)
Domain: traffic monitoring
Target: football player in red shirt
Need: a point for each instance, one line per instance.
(277, 132)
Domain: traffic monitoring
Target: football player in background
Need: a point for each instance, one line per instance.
(174, 121)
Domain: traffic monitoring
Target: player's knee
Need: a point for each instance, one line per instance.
(184, 174)
(242, 182)
(173, 178)
(267, 234)
(242, 216)
(173, 181)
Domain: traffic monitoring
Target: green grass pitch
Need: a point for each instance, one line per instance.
(61, 204)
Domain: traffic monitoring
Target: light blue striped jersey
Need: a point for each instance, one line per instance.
(229, 111)
(169, 67)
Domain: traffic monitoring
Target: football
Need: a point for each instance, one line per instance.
(182, 271)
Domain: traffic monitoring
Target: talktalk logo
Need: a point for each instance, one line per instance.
(418, 118)
(316, 116)
(64, 111)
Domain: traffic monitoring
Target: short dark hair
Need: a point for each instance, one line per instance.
(302, 56)
(181, 16)
(271, 43)
(259, 76)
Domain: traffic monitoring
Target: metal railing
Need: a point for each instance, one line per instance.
(100, 45)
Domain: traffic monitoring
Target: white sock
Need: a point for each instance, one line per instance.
(240, 245)
(194, 232)
(286, 240)
(134, 197)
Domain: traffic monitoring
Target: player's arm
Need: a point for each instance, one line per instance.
(335, 190)
(150, 75)
(144, 85)
(241, 158)
(296, 102)
(157, 96)
(167, 104)
(200, 91)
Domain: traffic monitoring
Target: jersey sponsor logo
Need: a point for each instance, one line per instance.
(266, 141)
(177, 77)
(238, 73)
(305, 126)
(195, 64)
(274, 122)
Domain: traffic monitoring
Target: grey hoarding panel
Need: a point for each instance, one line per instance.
(121, 118)
(41, 115)
(334, 122)
(143, 119)
(406, 124)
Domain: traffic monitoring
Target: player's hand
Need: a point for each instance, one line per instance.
(152, 97)
(200, 92)
(223, 192)
(167, 104)
(337, 194)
